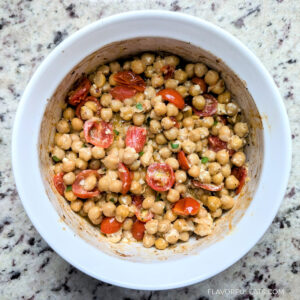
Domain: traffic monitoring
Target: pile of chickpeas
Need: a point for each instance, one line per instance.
(72, 154)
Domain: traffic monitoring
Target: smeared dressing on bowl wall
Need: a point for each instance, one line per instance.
(254, 151)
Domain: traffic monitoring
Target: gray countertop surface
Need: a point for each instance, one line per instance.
(29, 31)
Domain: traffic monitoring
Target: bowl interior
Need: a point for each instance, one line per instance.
(122, 49)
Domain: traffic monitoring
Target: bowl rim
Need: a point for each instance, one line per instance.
(50, 238)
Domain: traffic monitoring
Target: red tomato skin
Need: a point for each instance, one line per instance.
(122, 92)
(103, 137)
(208, 187)
(186, 206)
(169, 176)
(138, 230)
(90, 98)
(176, 124)
(136, 138)
(59, 183)
(201, 83)
(216, 145)
(126, 178)
(137, 201)
(168, 71)
(79, 191)
(210, 107)
(80, 92)
(240, 173)
(110, 225)
(172, 96)
(130, 79)
(183, 161)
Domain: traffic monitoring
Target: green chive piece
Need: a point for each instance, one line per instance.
(157, 198)
(215, 122)
(116, 132)
(204, 160)
(141, 153)
(139, 106)
(69, 188)
(84, 145)
(112, 200)
(174, 146)
(55, 158)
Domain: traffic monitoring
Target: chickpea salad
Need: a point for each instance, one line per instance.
(150, 149)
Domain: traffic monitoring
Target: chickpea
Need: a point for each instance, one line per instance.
(127, 225)
(69, 178)
(116, 186)
(148, 58)
(194, 171)
(195, 90)
(158, 207)
(126, 113)
(58, 153)
(214, 168)
(129, 156)
(182, 90)
(200, 69)
(218, 178)
(222, 157)
(188, 146)
(207, 122)
(68, 165)
(94, 164)
(211, 77)
(180, 176)
(80, 164)
(163, 226)
(171, 83)
(138, 119)
(167, 123)
(165, 152)
(213, 203)
(224, 98)
(64, 141)
(90, 183)
(157, 80)
(57, 168)
(199, 146)
(109, 209)
(76, 205)
(227, 202)
(135, 166)
(68, 113)
(86, 113)
(172, 110)
(148, 202)
(181, 225)
(94, 214)
(148, 240)
(180, 188)
(122, 213)
(136, 188)
(189, 69)
(241, 129)
(155, 126)
(95, 91)
(151, 226)
(198, 102)
(70, 196)
(77, 124)
(160, 109)
(160, 139)
(231, 183)
(180, 75)
(173, 195)
(63, 126)
(104, 183)
(149, 72)
(146, 158)
(116, 105)
(114, 67)
(172, 60)
(184, 236)
(125, 199)
(226, 170)
(76, 146)
(161, 244)
(231, 109)
(238, 159)
(171, 134)
(219, 87)
(193, 159)
(205, 176)
(85, 153)
(111, 162)
(235, 143)
(224, 133)
(195, 134)
(138, 66)
(98, 152)
(106, 114)
(188, 122)
(216, 128)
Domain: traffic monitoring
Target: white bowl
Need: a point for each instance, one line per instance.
(133, 266)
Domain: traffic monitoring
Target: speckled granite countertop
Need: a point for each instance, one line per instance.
(29, 30)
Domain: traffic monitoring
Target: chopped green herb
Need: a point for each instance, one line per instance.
(204, 160)
(69, 188)
(84, 145)
(55, 158)
(139, 106)
(157, 198)
(112, 200)
(116, 132)
(215, 122)
(141, 153)
(174, 146)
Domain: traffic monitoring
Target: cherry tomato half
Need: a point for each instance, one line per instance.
(77, 186)
(122, 92)
(215, 144)
(186, 206)
(208, 187)
(160, 177)
(59, 183)
(136, 138)
(138, 229)
(168, 71)
(80, 92)
(240, 173)
(210, 108)
(173, 97)
(90, 98)
(130, 79)
(126, 178)
(110, 225)
(98, 133)
(183, 161)
(201, 83)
